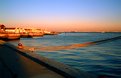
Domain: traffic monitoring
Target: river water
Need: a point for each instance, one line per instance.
(100, 59)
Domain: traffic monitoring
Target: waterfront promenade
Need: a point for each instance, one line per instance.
(17, 63)
(14, 65)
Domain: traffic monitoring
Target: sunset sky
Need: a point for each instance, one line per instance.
(62, 15)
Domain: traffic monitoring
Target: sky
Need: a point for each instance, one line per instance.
(62, 15)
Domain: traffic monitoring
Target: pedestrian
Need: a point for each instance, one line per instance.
(20, 45)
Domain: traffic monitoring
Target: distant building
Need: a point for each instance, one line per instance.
(34, 30)
(18, 30)
(15, 30)
(2, 27)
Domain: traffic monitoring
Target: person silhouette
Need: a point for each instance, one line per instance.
(20, 45)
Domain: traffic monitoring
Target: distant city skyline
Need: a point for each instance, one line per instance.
(62, 15)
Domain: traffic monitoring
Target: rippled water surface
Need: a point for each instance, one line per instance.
(100, 59)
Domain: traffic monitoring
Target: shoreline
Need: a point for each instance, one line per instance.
(57, 67)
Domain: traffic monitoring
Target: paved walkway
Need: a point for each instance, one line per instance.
(14, 65)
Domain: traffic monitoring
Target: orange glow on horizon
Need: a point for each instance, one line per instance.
(81, 26)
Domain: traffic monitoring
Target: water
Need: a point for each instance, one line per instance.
(102, 59)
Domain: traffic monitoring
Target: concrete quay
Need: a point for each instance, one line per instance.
(19, 63)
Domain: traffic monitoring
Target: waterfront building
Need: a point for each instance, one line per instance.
(2, 28)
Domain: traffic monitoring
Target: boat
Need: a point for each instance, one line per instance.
(33, 34)
(51, 33)
(2, 35)
(13, 36)
(9, 36)
(24, 35)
